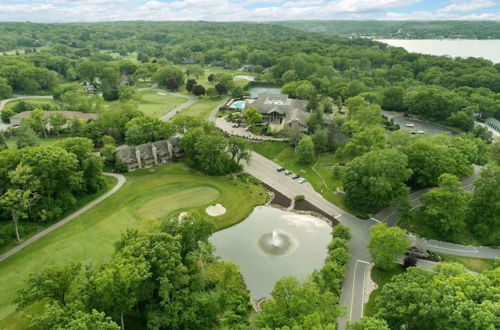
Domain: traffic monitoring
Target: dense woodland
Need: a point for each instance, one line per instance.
(402, 29)
(355, 78)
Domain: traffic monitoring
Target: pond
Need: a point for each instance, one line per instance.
(257, 90)
(272, 243)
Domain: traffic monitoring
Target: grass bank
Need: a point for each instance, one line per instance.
(319, 173)
(89, 238)
(156, 104)
(478, 265)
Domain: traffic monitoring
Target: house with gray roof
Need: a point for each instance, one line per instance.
(280, 111)
(149, 154)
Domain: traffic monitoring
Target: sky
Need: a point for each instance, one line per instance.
(245, 10)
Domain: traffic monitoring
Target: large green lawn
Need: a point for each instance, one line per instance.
(155, 104)
(202, 108)
(149, 192)
(203, 80)
(319, 173)
(11, 143)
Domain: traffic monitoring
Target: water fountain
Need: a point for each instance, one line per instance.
(273, 243)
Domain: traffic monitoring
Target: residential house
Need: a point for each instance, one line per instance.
(149, 154)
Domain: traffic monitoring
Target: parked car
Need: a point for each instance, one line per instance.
(295, 176)
(410, 125)
(287, 172)
(302, 180)
(413, 132)
(420, 132)
(280, 169)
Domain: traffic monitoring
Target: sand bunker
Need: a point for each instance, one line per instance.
(215, 210)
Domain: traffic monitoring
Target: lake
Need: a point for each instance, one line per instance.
(488, 49)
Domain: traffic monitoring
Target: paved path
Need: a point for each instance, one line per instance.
(4, 126)
(167, 116)
(48, 230)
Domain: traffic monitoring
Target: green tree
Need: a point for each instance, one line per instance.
(239, 149)
(376, 178)
(469, 299)
(53, 283)
(5, 89)
(495, 152)
(195, 71)
(147, 129)
(166, 73)
(445, 206)
(321, 141)
(38, 122)
(16, 202)
(3, 144)
(57, 121)
(199, 90)
(116, 285)
(252, 116)
(393, 98)
(484, 210)
(368, 323)
(108, 153)
(305, 150)
(56, 316)
(298, 306)
(386, 245)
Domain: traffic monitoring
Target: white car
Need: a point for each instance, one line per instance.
(420, 132)
(410, 125)
(302, 180)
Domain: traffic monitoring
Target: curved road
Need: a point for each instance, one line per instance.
(48, 230)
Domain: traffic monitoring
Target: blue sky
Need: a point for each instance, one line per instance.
(245, 10)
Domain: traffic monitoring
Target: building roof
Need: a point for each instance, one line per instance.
(293, 109)
(67, 114)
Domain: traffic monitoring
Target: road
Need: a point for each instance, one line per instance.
(353, 285)
(121, 181)
(166, 117)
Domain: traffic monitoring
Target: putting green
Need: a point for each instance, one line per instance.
(174, 197)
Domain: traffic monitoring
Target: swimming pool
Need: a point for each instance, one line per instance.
(238, 105)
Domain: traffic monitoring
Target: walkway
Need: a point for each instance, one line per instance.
(48, 230)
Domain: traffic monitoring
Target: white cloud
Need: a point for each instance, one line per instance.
(467, 5)
(229, 10)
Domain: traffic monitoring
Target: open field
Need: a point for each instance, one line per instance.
(218, 70)
(158, 192)
(202, 108)
(319, 174)
(11, 143)
(381, 277)
(155, 105)
(475, 264)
